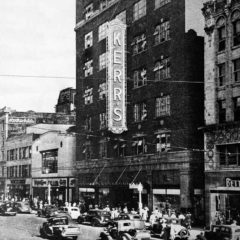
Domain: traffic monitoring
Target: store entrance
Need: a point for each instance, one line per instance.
(233, 208)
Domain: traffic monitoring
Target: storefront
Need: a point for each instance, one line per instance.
(225, 200)
(61, 189)
(18, 188)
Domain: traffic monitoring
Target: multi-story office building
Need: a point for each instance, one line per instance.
(155, 59)
(222, 108)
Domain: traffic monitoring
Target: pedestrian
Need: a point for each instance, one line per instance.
(133, 211)
(234, 223)
(125, 209)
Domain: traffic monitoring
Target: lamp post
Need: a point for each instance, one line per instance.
(140, 189)
(49, 193)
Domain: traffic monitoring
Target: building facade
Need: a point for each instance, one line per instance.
(14, 123)
(162, 68)
(18, 152)
(222, 115)
(53, 162)
(66, 101)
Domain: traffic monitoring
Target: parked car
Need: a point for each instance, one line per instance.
(125, 230)
(60, 227)
(74, 212)
(7, 209)
(223, 232)
(47, 211)
(95, 217)
(22, 207)
(135, 218)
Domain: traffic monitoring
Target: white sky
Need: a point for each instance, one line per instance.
(36, 38)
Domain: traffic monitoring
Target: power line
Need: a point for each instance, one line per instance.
(35, 76)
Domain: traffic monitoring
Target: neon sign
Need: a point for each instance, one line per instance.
(116, 77)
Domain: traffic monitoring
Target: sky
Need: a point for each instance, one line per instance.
(37, 38)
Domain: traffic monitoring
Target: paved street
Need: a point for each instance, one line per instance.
(26, 227)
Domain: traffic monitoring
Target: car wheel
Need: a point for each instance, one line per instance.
(95, 223)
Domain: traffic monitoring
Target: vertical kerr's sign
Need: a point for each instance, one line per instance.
(116, 77)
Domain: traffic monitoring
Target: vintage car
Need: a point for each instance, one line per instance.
(22, 207)
(60, 227)
(223, 232)
(74, 212)
(47, 211)
(125, 230)
(7, 209)
(95, 217)
(173, 226)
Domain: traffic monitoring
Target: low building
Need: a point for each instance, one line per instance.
(53, 162)
(18, 152)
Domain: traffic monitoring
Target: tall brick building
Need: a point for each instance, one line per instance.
(164, 103)
(222, 108)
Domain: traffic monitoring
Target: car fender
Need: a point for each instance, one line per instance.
(127, 236)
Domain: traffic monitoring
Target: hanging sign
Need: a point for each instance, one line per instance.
(116, 76)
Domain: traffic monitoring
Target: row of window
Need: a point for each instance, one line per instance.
(137, 146)
(221, 27)
(139, 8)
(19, 171)
(140, 112)
(19, 153)
(222, 110)
(235, 73)
(161, 72)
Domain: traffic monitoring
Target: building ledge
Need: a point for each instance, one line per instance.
(95, 14)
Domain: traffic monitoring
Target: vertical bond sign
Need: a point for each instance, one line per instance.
(116, 77)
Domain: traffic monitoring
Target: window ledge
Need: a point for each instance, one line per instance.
(139, 87)
(136, 54)
(235, 47)
(157, 44)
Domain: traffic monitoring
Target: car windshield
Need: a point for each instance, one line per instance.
(222, 229)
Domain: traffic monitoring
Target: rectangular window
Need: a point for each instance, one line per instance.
(20, 171)
(140, 77)
(88, 68)
(139, 10)
(89, 11)
(140, 112)
(236, 32)
(236, 102)
(139, 44)
(88, 96)
(139, 146)
(236, 70)
(3, 174)
(88, 40)
(221, 38)
(103, 148)
(222, 111)
(221, 74)
(162, 106)
(102, 31)
(162, 32)
(122, 16)
(163, 142)
(160, 3)
(88, 124)
(102, 61)
(120, 148)
(50, 161)
(102, 91)
(162, 69)
(229, 155)
(87, 150)
(102, 121)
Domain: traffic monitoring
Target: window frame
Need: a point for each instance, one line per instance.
(140, 77)
(88, 68)
(221, 33)
(221, 74)
(162, 69)
(236, 28)
(140, 112)
(88, 40)
(162, 106)
(162, 32)
(139, 9)
(161, 3)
